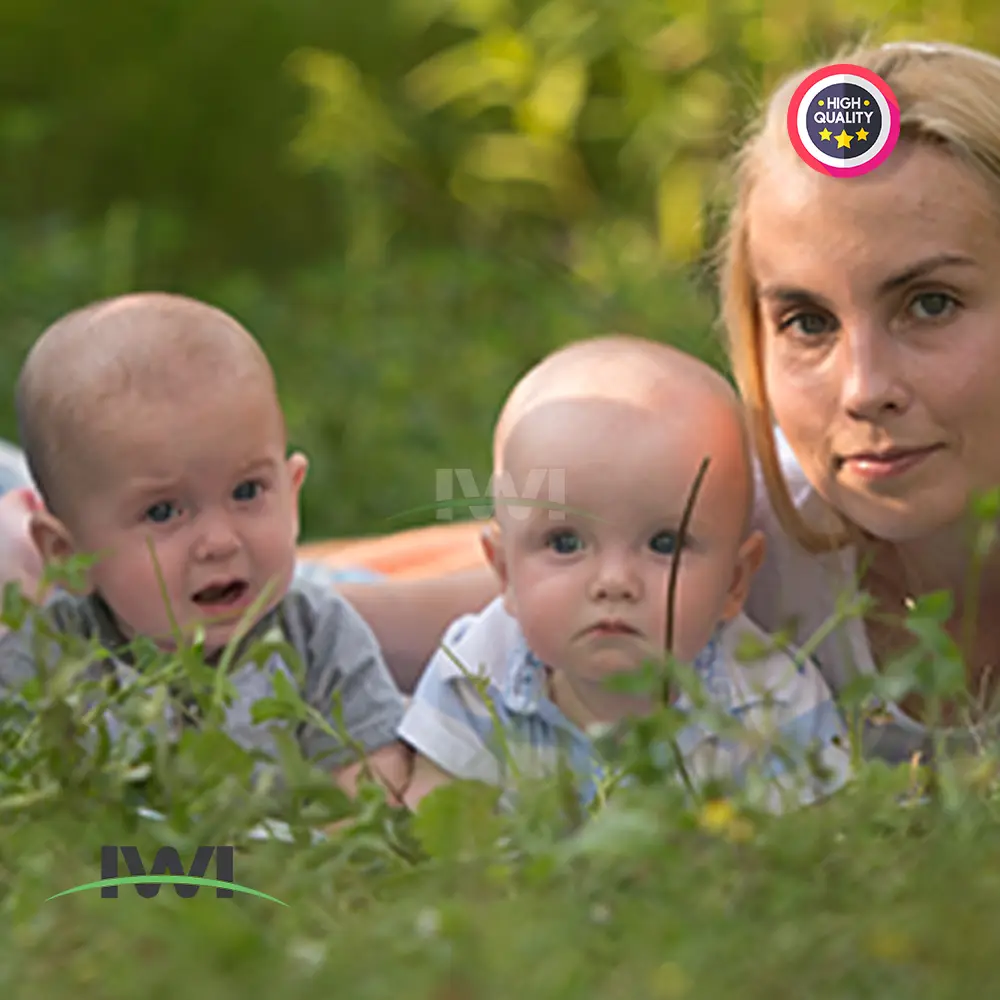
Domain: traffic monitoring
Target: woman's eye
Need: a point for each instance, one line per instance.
(161, 512)
(248, 490)
(565, 542)
(664, 543)
(932, 305)
(806, 324)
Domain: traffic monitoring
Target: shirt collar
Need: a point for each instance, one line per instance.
(114, 640)
(712, 671)
(523, 686)
(521, 682)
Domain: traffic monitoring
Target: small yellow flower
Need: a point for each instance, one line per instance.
(720, 818)
(716, 816)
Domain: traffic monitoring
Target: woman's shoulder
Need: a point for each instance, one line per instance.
(791, 582)
(799, 488)
(806, 501)
(798, 593)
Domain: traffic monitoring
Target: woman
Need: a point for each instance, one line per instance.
(863, 320)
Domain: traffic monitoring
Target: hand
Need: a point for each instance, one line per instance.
(20, 561)
(390, 765)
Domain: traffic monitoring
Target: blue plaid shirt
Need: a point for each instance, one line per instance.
(470, 719)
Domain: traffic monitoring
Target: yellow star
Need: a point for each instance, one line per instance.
(862, 134)
(843, 139)
(825, 134)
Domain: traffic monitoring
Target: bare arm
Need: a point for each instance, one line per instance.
(426, 777)
(20, 561)
(390, 766)
(409, 617)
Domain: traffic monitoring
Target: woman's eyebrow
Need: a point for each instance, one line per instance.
(922, 268)
(785, 293)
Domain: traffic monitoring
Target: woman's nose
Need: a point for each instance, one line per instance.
(872, 376)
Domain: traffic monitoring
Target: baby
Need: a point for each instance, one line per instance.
(626, 423)
(152, 426)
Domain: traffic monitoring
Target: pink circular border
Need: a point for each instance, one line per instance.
(835, 70)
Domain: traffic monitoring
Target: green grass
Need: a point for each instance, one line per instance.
(859, 898)
(887, 890)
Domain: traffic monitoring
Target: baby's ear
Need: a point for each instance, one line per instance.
(297, 465)
(50, 536)
(492, 542)
(748, 561)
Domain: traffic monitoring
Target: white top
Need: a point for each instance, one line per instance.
(481, 707)
(803, 592)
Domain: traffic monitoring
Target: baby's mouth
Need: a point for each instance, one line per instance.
(222, 594)
(612, 626)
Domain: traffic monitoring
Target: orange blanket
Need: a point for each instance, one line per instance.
(415, 554)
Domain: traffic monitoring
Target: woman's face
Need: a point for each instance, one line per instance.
(880, 309)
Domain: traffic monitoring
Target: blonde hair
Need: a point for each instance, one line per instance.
(948, 96)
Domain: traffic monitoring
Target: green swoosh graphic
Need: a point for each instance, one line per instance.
(170, 880)
(490, 502)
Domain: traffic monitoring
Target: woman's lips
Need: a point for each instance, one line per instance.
(873, 466)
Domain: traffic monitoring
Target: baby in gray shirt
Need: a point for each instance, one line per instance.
(152, 428)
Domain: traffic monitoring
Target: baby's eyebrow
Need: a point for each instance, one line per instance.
(258, 465)
(142, 487)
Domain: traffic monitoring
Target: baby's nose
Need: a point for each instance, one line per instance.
(217, 539)
(617, 580)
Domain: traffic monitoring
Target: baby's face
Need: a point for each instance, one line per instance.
(205, 484)
(590, 592)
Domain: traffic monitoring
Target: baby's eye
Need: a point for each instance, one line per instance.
(664, 543)
(248, 490)
(161, 512)
(565, 542)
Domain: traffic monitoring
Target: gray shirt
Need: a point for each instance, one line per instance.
(338, 652)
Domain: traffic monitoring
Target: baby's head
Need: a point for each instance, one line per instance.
(624, 424)
(153, 419)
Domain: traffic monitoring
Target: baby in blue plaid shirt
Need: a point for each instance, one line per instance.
(619, 427)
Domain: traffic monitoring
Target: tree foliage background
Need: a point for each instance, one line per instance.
(408, 201)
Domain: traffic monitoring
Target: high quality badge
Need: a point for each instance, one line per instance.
(843, 120)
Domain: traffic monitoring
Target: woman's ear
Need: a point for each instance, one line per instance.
(748, 561)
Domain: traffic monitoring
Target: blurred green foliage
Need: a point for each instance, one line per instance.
(409, 201)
